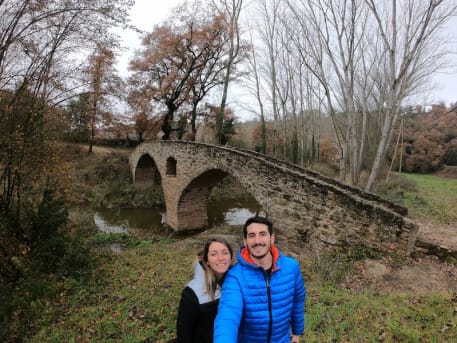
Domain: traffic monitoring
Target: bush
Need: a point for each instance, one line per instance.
(334, 265)
(113, 167)
(450, 158)
(327, 169)
(39, 252)
(395, 188)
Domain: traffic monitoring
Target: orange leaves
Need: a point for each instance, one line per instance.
(429, 140)
(179, 63)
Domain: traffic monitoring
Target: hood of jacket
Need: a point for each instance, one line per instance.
(197, 284)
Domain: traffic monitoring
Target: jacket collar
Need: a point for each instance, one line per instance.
(246, 257)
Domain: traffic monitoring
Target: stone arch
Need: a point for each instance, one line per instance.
(171, 166)
(146, 170)
(192, 206)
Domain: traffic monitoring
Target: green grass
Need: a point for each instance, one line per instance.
(133, 296)
(334, 315)
(436, 198)
(426, 196)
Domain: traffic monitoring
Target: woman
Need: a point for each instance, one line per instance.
(200, 297)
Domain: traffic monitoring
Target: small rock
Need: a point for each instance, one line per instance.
(375, 268)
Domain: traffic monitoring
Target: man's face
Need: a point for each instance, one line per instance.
(258, 240)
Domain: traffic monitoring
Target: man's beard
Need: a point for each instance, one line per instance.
(251, 251)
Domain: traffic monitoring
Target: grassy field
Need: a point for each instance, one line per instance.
(427, 197)
(435, 198)
(132, 296)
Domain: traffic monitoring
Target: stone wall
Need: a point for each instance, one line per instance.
(308, 209)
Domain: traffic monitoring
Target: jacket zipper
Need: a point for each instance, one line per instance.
(270, 324)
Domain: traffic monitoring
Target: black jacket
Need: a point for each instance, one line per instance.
(196, 311)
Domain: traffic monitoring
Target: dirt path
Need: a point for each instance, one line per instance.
(411, 275)
(102, 150)
(427, 272)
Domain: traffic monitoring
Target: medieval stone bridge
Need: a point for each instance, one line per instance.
(308, 209)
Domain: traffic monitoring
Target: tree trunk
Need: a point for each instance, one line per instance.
(380, 152)
(166, 125)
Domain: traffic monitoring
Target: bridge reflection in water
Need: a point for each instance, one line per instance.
(153, 221)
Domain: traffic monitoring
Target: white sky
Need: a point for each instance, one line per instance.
(146, 13)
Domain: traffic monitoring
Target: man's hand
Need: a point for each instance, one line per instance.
(295, 339)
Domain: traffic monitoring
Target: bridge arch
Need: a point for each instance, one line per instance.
(192, 205)
(307, 208)
(147, 170)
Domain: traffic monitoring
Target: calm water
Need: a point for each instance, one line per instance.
(153, 221)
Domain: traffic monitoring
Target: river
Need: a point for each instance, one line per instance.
(140, 221)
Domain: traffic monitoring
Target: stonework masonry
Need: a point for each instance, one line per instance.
(309, 211)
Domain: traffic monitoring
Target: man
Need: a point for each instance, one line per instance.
(263, 294)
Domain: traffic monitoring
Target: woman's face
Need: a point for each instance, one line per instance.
(219, 258)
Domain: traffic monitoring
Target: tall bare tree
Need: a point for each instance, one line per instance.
(231, 10)
(291, 91)
(273, 72)
(368, 71)
(254, 85)
(331, 30)
(409, 32)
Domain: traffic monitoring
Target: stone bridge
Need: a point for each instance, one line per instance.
(308, 210)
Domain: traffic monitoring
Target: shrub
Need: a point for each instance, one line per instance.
(335, 264)
(40, 251)
(395, 188)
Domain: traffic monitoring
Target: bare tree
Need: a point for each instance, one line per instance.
(409, 32)
(273, 69)
(231, 10)
(367, 72)
(330, 30)
(292, 91)
(254, 84)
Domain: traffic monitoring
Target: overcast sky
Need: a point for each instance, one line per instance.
(146, 13)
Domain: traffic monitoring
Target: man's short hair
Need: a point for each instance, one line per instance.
(258, 220)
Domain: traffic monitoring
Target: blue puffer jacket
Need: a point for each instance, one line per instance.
(258, 307)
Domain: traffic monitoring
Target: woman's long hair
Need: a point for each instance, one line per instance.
(210, 278)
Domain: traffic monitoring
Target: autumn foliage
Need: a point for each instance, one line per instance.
(179, 63)
(430, 140)
(41, 47)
